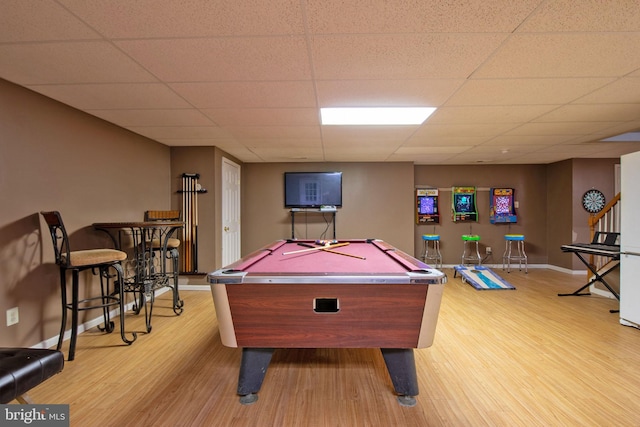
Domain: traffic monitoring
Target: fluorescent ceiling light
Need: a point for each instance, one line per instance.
(375, 116)
(625, 137)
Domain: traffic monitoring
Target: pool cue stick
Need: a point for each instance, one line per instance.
(315, 249)
(188, 202)
(187, 246)
(333, 252)
(195, 224)
(185, 232)
(342, 253)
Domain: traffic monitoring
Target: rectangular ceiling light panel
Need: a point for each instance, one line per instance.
(375, 116)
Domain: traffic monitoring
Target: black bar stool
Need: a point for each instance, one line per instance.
(99, 261)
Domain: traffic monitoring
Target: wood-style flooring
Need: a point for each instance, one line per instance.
(500, 358)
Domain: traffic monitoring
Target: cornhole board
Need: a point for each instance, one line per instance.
(481, 277)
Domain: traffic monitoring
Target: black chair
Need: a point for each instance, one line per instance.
(171, 250)
(99, 261)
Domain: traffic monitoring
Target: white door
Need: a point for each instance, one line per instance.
(230, 212)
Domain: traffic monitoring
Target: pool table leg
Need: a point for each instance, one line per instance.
(402, 369)
(253, 369)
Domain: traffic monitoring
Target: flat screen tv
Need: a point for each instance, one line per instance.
(312, 189)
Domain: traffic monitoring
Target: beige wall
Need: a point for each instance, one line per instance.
(559, 215)
(377, 203)
(53, 157)
(200, 160)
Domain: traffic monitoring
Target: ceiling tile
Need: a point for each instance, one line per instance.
(488, 114)
(592, 113)
(222, 59)
(624, 91)
(564, 55)
(400, 56)
(181, 132)
(534, 158)
(352, 154)
(416, 151)
(69, 62)
(531, 140)
(294, 154)
(632, 126)
(40, 20)
(615, 150)
(583, 15)
(293, 94)
(462, 130)
(229, 143)
(270, 132)
(264, 116)
(524, 91)
(444, 141)
(366, 137)
(426, 16)
(113, 96)
(564, 128)
(570, 149)
(420, 159)
(282, 144)
(193, 18)
(382, 93)
(154, 117)
(499, 151)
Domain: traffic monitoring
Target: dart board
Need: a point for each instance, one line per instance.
(593, 201)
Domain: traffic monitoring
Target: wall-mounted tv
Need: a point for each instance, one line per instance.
(312, 189)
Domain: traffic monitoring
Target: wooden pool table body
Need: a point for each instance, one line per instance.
(274, 298)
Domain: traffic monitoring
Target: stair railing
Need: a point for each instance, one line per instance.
(607, 220)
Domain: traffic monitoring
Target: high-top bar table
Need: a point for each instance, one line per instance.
(142, 276)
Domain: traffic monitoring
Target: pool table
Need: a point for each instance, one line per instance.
(351, 294)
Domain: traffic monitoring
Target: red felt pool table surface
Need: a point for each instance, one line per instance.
(286, 261)
(358, 257)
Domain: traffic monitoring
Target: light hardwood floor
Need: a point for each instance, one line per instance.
(500, 358)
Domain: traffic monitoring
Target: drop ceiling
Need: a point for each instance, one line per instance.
(514, 82)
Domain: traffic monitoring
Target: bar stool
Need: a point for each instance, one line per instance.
(469, 240)
(508, 256)
(172, 253)
(432, 253)
(100, 262)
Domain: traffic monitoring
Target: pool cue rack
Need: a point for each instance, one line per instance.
(190, 191)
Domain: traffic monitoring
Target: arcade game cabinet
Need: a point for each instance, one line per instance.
(502, 206)
(463, 201)
(427, 211)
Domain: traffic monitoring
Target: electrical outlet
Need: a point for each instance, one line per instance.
(13, 316)
(489, 251)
